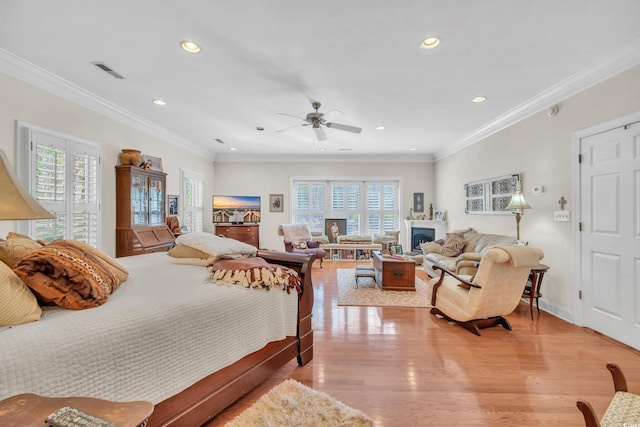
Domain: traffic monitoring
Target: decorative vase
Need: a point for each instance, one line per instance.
(131, 157)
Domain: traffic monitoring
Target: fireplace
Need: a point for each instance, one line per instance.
(421, 235)
(439, 228)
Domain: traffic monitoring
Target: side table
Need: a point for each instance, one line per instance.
(27, 410)
(532, 290)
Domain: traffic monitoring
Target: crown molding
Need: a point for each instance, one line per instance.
(617, 62)
(32, 74)
(324, 158)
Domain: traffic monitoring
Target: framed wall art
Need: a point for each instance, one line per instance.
(418, 202)
(492, 195)
(173, 204)
(335, 227)
(276, 203)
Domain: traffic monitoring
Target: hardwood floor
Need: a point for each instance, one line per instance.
(405, 367)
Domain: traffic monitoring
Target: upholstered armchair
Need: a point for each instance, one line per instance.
(297, 239)
(495, 291)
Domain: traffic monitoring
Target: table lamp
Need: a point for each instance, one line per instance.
(15, 201)
(517, 204)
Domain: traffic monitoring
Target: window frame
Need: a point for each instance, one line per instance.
(25, 135)
(359, 216)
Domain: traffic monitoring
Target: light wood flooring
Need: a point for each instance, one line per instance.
(405, 367)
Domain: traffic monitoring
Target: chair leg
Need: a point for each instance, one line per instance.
(474, 326)
(590, 418)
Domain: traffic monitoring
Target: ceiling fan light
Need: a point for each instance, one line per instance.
(430, 42)
(189, 46)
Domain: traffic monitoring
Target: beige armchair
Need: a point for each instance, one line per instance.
(495, 291)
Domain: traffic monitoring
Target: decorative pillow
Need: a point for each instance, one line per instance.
(430, 247)
(317, 236)
(387, 237)
(183, 251)
(17, 303)
(453, 245)
(215, 246)
(64, 274)
(116, 268)
(300, 245)
(15, 248)
(254, 272)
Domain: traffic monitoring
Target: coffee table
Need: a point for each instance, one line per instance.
(394, 273)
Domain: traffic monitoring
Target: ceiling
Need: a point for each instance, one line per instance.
(360, 58)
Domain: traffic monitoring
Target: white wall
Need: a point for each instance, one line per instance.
(26, 103)
(262, 179)
(540, 147)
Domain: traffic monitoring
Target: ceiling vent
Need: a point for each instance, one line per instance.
(108, 70)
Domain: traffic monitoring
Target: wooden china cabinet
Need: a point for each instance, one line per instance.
(141, 218)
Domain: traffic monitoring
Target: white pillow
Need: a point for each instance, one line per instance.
(215, 246)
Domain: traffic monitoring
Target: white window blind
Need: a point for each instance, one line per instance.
(64, 177)
(193, 201)
(369, 207)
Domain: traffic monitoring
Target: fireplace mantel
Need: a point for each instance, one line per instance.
(439, 226)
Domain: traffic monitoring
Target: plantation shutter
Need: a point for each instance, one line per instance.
(193, 201)
(65, 179)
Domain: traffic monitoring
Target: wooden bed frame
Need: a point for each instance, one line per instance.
(201, 401)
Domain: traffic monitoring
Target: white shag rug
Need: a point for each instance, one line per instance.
(292, 404)
(368, 293)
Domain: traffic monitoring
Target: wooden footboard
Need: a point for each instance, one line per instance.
(200, 402)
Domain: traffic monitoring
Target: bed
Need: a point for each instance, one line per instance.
(168, 335)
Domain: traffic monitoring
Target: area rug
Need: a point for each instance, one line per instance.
(292, 404)
(369, 294)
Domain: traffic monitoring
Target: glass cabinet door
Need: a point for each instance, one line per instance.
(156, 201)
(139, 200)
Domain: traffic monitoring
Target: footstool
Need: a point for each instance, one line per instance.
(365, 271)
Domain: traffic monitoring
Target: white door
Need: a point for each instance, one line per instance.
(610, 216)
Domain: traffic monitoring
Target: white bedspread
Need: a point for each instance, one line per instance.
(165, 328)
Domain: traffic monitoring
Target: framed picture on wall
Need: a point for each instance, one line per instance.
(418, 202)
(173, 204)
(334, 227)
(276, 203)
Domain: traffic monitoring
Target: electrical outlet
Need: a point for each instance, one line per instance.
(562, 216)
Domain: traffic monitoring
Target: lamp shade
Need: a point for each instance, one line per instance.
(15, 200)
(517, 203)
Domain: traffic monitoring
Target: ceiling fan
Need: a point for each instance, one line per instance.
(316, 121)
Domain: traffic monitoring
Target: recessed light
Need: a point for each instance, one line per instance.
(478, 99)
(189, 46)
(412, 149)
(232, 148)
(430, 42)
(380, 128)
(323, 149)
(159, 102)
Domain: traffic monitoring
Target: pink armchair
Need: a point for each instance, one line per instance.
(297, 239)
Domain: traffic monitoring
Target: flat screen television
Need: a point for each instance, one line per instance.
(235, 209)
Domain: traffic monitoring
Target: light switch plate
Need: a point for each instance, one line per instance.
(562, 216)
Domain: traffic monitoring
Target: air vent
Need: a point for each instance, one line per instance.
(106, 68)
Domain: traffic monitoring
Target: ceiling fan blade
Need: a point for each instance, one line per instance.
(291, 127)
(343, 127)
(320, 134)
(291, 115)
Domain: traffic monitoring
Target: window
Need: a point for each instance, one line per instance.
(370, 207)
(192, 196)
(63, 175)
